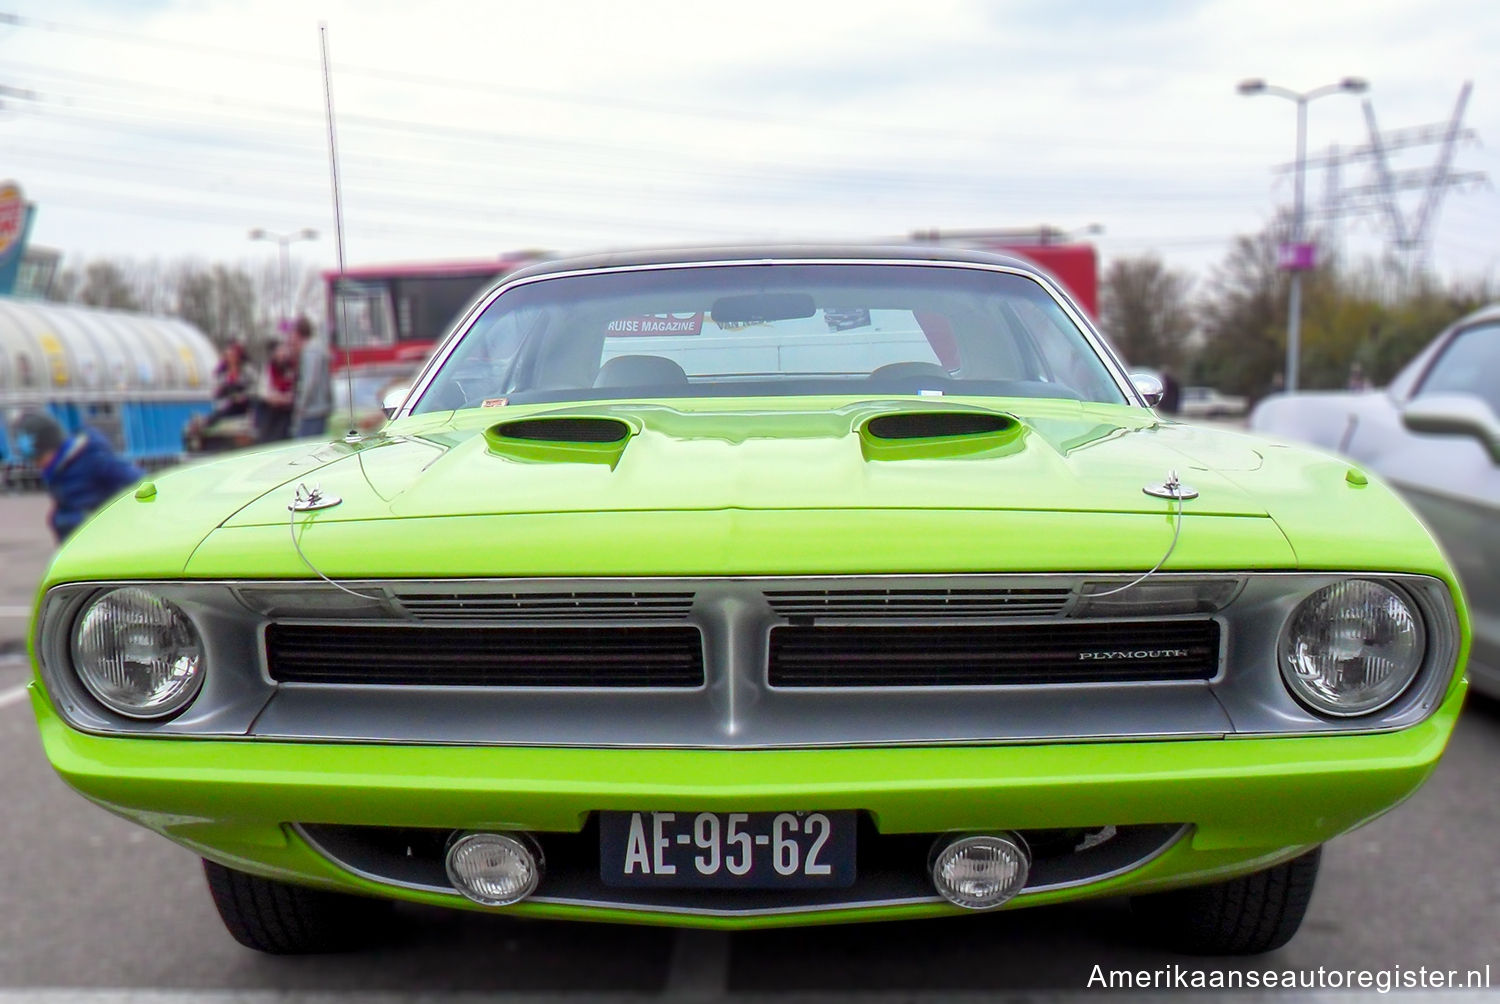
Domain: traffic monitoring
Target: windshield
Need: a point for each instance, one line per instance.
(771, 330)
(1469, 365)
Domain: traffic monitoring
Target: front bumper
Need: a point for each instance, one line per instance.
(1249, 802)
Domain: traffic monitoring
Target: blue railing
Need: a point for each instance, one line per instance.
(145, 432)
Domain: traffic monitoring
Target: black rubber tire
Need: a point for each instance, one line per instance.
(285, 919)
(1244, 916)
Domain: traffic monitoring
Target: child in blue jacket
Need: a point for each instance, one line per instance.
(81, 471)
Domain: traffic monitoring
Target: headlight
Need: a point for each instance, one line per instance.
(138, 654)
(1352, 648)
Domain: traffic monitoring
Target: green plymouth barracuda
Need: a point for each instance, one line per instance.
(757, 587)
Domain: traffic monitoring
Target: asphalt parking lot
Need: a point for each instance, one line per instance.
(94, 908)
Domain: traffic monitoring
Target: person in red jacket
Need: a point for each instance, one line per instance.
(277, 390)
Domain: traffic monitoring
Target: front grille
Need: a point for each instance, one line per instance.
(460, 607)
(944, 603)
(980, 655)
(670, 656)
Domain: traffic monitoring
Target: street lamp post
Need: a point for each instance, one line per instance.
(285, 241)
(1300, 258)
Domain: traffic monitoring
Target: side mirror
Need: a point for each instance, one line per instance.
(1454, 415)
(1148, 386)
(394, 399)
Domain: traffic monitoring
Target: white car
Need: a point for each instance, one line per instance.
(1206, 402)
(1434, 434)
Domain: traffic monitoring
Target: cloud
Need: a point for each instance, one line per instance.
(468, 129)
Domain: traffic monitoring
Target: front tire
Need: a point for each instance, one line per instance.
(1244, 916)
(285, 919)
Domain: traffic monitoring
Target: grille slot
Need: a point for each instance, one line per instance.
(556, 606)
(984, 655)
(486, 657)
(945, 603)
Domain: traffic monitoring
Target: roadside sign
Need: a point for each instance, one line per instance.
(15, 221)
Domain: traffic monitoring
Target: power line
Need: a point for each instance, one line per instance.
(919, 182)
(1216, 240)
(1408, 235)
(421, 209)
(217, 214)
(598, 152)
(827, 123)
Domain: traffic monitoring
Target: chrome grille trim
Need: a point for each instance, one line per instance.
(450, 607)
(942, 603)
(736, 708)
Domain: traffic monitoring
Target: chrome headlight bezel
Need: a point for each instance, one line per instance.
(184, 673)
(1402, 680)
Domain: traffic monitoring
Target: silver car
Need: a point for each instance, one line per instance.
(1434, 434)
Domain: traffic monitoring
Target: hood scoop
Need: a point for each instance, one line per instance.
(937, 434)
(585, 439)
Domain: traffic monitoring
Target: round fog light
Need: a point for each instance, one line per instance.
(493, 869)
(981, 872)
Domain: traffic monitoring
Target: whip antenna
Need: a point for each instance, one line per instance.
(352, 436)
(1173, 490)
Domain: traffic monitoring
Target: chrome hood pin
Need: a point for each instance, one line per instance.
(306, 499)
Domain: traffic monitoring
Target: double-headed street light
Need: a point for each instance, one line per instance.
(285, 240)
(1297, 257)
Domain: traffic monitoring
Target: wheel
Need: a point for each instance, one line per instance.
(1244, 916)
(285, 919)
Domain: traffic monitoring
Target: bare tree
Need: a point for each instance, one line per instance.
(303, 294)
(1242, 316)
(265, 276)
(1146, 311)
(151, 282)
(65, 286)
(218, 300)
(310, 292)
(105, 284)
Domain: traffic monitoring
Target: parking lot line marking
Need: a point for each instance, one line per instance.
(12, 696)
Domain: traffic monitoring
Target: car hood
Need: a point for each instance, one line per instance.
(679, 456)
(785, 486)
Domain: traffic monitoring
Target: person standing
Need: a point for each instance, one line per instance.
(81, 472)
(314, 398)
(276, 393)
(1171, 394)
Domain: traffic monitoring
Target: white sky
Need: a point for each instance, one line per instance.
(172, 127)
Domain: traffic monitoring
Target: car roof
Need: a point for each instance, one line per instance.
(403, 270)
(1488, 313)
(772, 253)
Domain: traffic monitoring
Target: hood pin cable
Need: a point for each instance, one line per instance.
(1173, 490)
(311, 500)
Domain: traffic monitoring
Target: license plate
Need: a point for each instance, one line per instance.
(727, 850)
